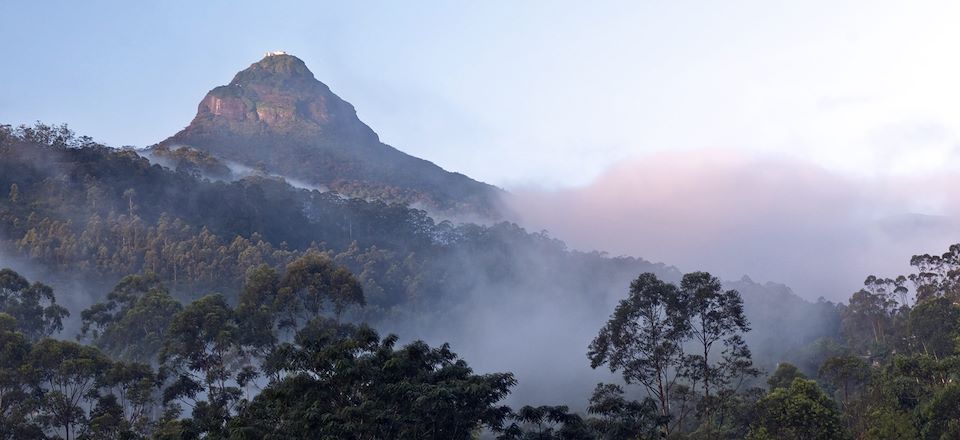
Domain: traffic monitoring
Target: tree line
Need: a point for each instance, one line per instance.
(282, 362)
(278, 364)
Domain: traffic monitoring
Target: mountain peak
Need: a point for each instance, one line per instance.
(274, 66)
(277, 94)
(276, 114)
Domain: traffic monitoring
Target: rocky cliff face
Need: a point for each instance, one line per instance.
(277, 116)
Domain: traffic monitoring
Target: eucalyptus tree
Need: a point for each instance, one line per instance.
(258, 308)
(18, 402)
(203, 354)
(643, 340)
(935, 326)
(33, 306)
(309, 283)
(131, 324)
(65, 373)
(714, 316)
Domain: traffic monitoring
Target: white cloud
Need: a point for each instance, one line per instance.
(736, 213)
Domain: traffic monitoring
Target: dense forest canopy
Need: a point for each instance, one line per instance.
(282, 364)
(247, 309)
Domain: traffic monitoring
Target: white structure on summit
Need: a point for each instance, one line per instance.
(274, 53)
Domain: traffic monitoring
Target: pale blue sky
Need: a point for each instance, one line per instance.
(521, 93)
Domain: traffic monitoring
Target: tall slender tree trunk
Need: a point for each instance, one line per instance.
(664, 408)
(706, 388)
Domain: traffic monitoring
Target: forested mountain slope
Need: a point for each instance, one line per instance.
(71, 206)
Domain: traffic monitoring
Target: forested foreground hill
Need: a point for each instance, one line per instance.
(81, 216)
(274, 365)
(276, 353)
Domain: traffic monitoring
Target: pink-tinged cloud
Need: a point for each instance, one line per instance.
(737, 214)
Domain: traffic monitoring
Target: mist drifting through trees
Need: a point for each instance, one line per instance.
(274, 270)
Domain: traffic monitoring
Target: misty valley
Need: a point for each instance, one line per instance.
(275, 271)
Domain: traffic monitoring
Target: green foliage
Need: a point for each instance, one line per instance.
(201, 352)
(714, 316)
(547, 423)
(800, 412)
(192, 161)
(18, 404)
(132, 323)
(257, 309)
(622, 419)
(847, 374)
(359, 386)
(935, 324)
(890, 424)
(65, 372)
(126, 403)
(940, 415)
(896, 377)
(309, 283)
(937, 275)
(870, 318)
(33, 306)
(645, 340)
(784, 376)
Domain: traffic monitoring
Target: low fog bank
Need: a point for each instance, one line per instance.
(735, 214)
(537, 327)
(233, 170)
(76, 292)
(543, 343)
(537, 319)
